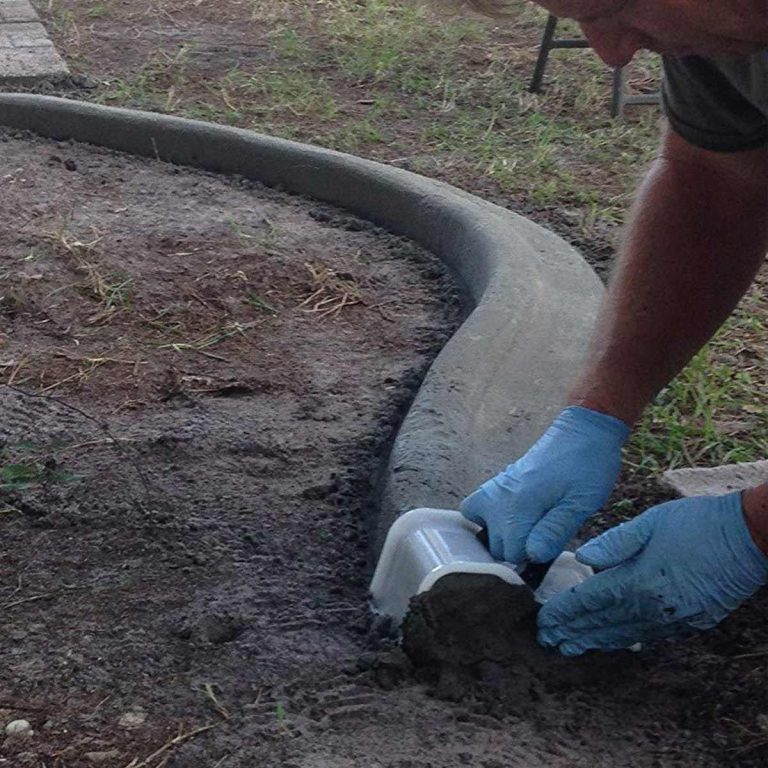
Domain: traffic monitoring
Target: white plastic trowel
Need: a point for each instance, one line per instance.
(425, 545)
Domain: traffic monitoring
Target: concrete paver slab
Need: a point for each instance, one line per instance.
(715, 481)
(16, 11)
(27, 54)
(24, 34)
(28, 65)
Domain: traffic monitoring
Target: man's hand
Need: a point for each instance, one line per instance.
(534, 507)
(681, 565)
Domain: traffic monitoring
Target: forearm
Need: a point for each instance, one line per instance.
(697, 236)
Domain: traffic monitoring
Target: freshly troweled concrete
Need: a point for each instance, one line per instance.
(501, 378)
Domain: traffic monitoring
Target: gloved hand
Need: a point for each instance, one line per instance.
(536, 505)
(680, 565)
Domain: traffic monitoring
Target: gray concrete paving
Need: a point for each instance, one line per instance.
(27, 54)
(716, 480)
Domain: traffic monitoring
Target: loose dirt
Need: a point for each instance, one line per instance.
(205, 375)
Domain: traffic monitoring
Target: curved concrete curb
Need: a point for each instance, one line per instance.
(498, 382)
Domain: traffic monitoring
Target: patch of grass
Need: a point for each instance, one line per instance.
(156, 85)
(397, 80)
(111, 290)
(242, 237)
(714, 412)
(268, 91)
(256, 99)
(19, 475)
(329, 291)
(383, 42)
(99, 11)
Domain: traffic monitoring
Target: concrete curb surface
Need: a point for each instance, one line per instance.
(500, 379)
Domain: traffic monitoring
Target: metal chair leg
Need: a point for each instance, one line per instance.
(544, 49)
(618, 97)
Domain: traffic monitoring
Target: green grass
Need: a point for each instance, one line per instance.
(355, 78)
(261, 304)
(21, 473)
(715, 411)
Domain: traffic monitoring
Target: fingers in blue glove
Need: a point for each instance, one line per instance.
(599, 593)
(551, 534)
(679, 566)
(475, 505)
(619, 544)
(616, 637)
(508, 523)
(537, 504)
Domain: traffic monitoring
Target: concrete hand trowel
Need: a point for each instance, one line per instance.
(426, 549)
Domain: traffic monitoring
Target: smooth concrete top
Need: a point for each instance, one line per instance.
(500, 379)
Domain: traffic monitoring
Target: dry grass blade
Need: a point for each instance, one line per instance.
(87, 366)
(756, 654)
(211, 338)
(331, 292)
(111, 291)
(180, 738)
(15, 366)
(35, 598)
(183, 736)
(210, 694)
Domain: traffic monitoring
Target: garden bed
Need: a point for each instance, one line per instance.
(204, 379)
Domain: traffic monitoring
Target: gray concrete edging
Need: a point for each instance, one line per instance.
(498, 381)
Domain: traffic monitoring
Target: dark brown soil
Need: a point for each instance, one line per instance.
(209, 375)
(467, 619)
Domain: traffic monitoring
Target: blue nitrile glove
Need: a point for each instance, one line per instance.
(535, 506)
(681, 565)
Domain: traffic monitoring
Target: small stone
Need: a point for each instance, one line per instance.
(135, 718)
(18, 727)
(102, 757)
(70, 164)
